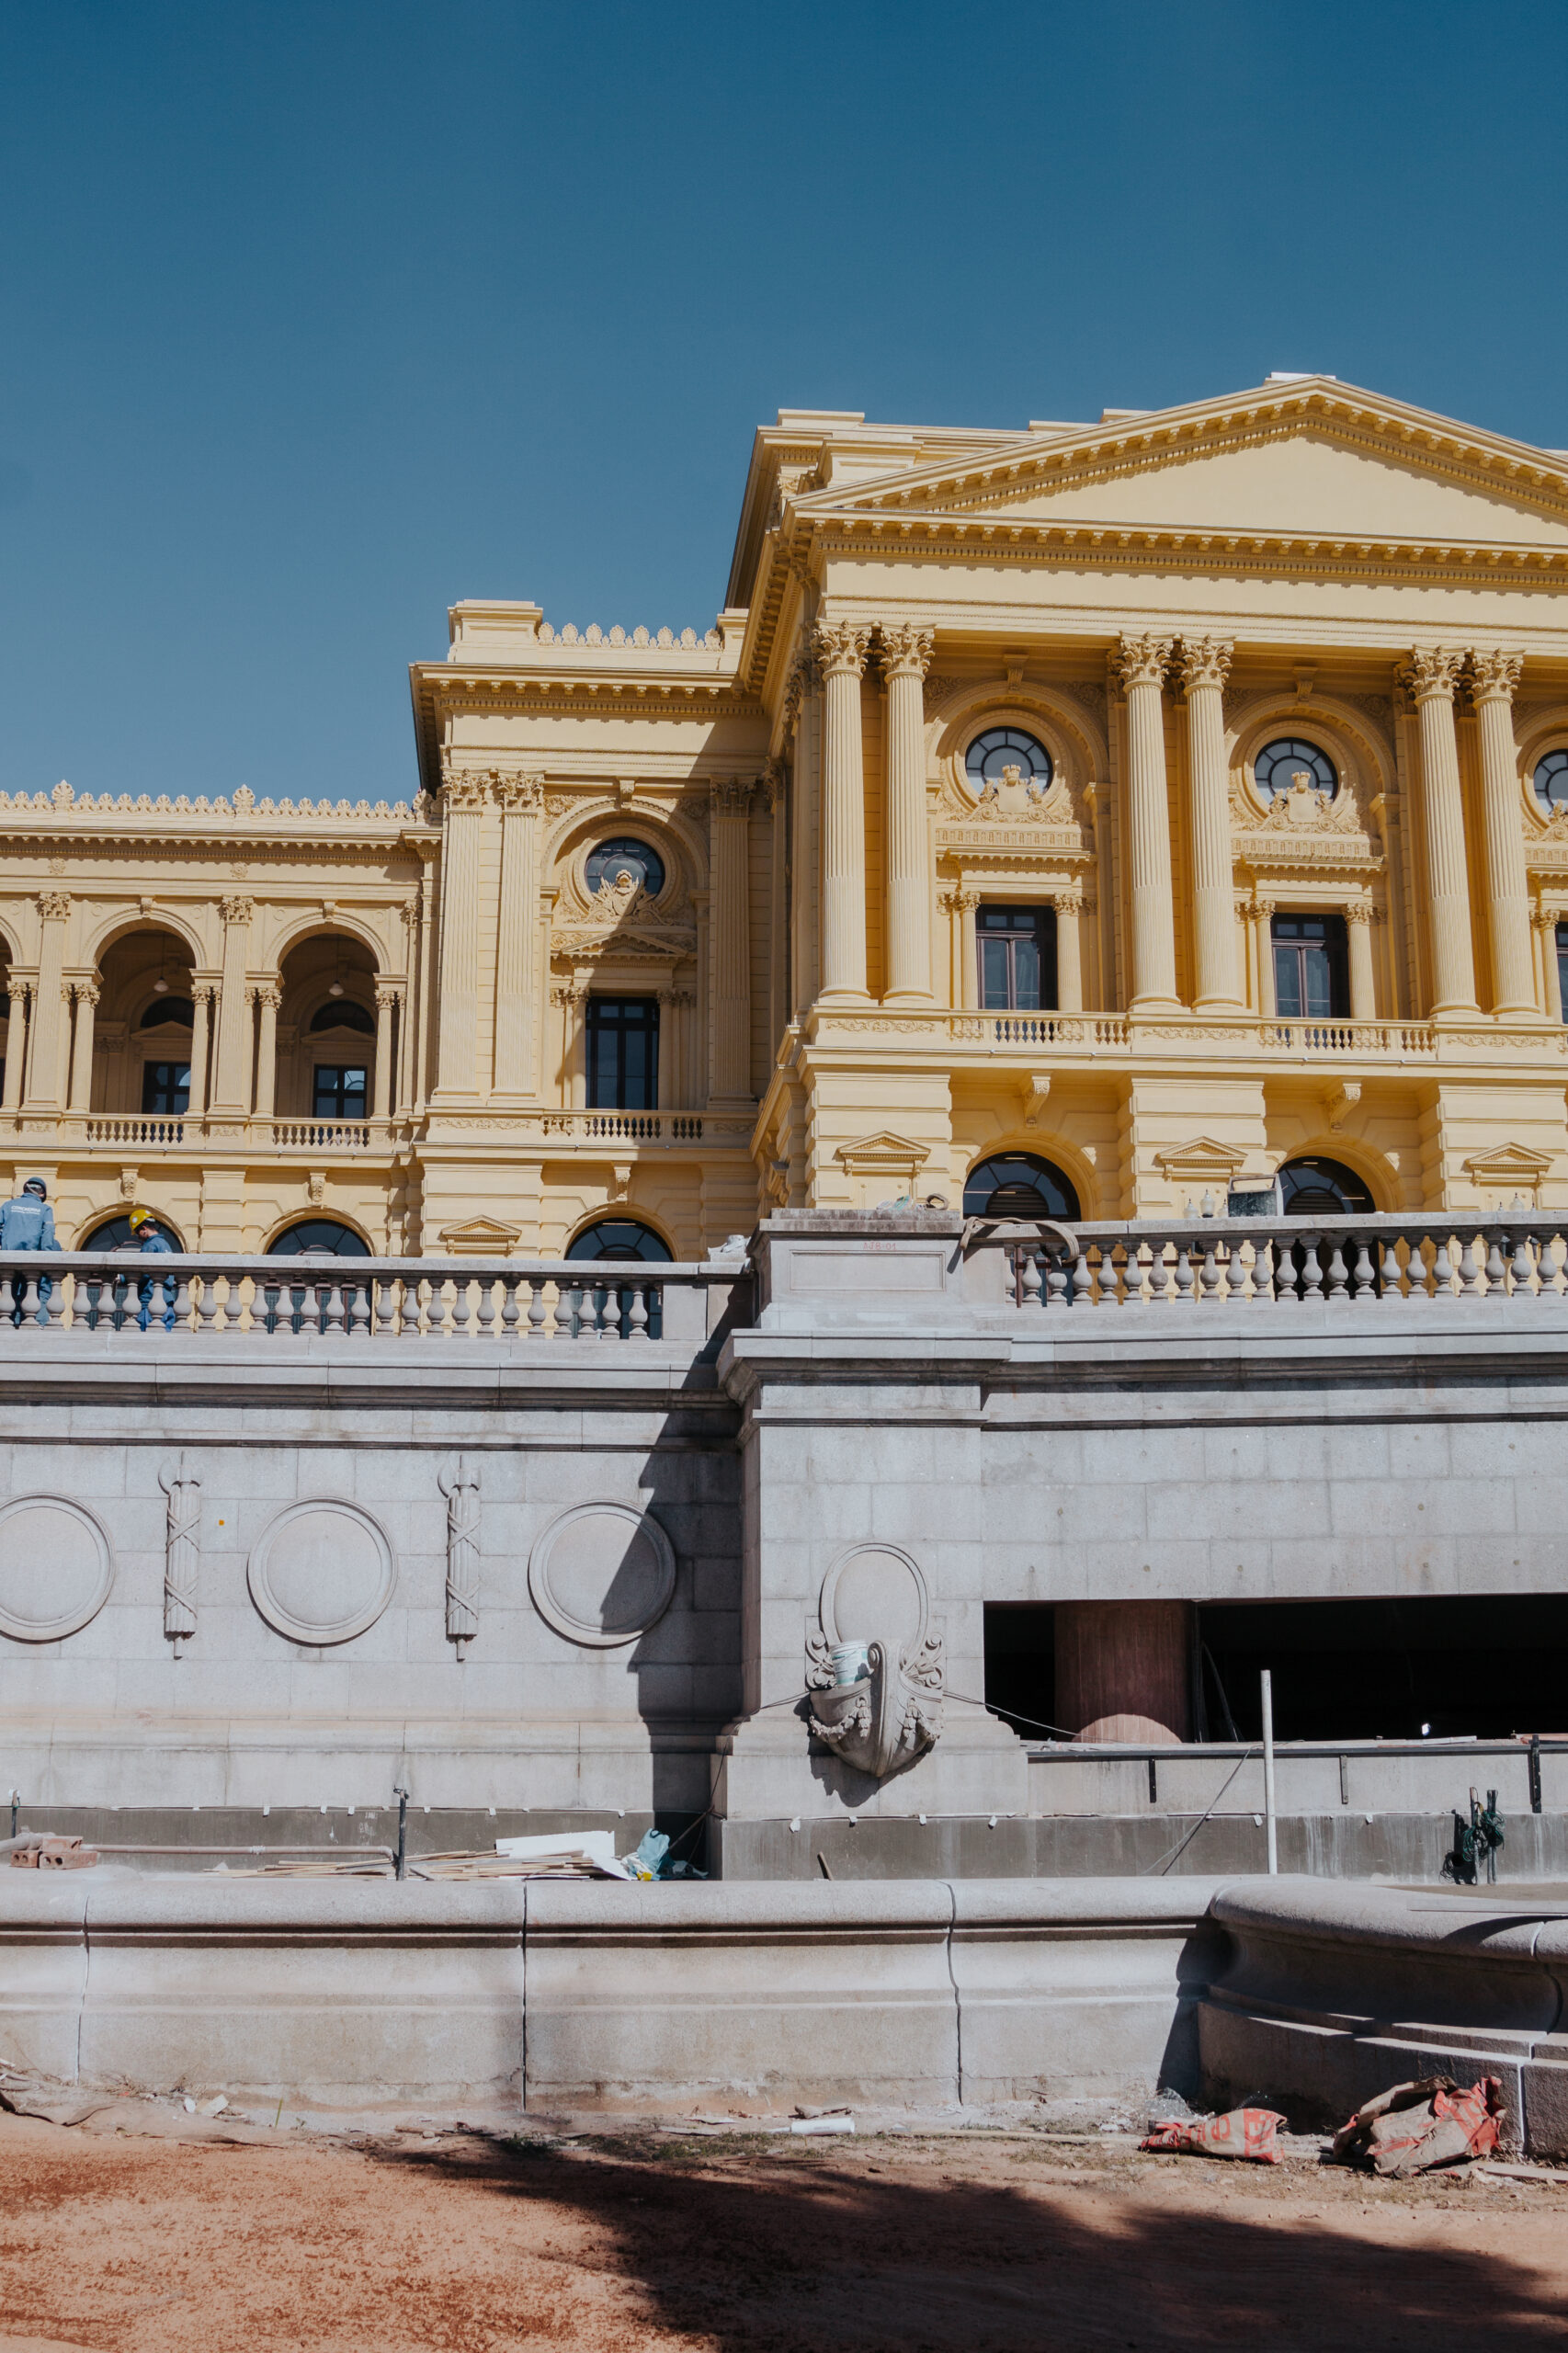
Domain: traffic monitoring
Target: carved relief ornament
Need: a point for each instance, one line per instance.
(841, 647)
(906, 651)
(1206, 661)
(1143, 661)
(1432, 670)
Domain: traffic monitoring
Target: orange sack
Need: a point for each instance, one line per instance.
(1246, 2132)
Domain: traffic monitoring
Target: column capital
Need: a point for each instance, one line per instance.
(237, 910)
(731, 795)
(1432, 673)
(1495, 674)
(54, 906)
(16, 990)
(840, 647)
(906, 651)
(1143, 661)
(388, 994)
(466, 789)
(85, 992)
(203, 992)
(1358, 911)
(519, 792)
(772, 783)
(960, 902)
(1206, 661)
(265, 992)
(568, 992)
(1545, 918)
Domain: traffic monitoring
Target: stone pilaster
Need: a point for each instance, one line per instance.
(464, 799)
(268, 996)
(16, 1044)
(519, 798)
(1206, 663)
(729, 917)
(230, 1063)
(49, 1005)
(86, 995)
(1433, 673)
(387, 999)
(1144, 664)
(1493, 677)
(906, 657)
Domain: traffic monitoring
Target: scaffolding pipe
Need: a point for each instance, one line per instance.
(1271, 1830)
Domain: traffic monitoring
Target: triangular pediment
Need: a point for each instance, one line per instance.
(883, 1152)
(479, 1238)
(1313, 461)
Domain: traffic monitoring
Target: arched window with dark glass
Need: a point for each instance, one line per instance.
(1275, 768)
(1312, 968)
(342, 1013)
(990, 756)
(1551, 778)
(168, 1012)
(318, 1237)
(118, 1233)
(1016, 947)
(1019, 1183)
(609, 1306)
(1313, 1186)
(609, 860)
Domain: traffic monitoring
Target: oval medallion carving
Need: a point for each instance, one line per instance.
(602, 1574)
(56, 1568)
(322, 1572)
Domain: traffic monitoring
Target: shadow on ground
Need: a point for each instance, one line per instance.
(797, 2254)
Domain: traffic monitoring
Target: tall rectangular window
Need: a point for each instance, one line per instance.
(339, 1091)
(1017, 957)
(165, 1087)
(1312, 979)
(623, 1053)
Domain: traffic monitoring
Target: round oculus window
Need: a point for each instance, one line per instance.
(1552, 778)
(1276, 766)
(1000, 748)
(610, 860)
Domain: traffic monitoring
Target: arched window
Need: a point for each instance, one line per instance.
(1315, 1187)
(118, 1234)
(1019, 1183)
(619, 1237)
(611, 859)
(1007, 747)
(342, 1013)
(1551, 778)
(164, 1009)
(318, 1237)
(1275, 765)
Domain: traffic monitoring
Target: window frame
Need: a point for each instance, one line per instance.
(598, 1028)
(1042, 916)
(339, 1116)
(162, 1111)
(1335, 946)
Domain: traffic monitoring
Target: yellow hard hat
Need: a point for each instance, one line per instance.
(138, 1217)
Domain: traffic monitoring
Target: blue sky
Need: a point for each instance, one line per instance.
(316, 318)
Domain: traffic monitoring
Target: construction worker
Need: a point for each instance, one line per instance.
(150, 1237)
(27, 1223)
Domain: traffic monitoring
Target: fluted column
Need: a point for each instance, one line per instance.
(1433, 673)
(86, 995)
(49, 1005)
(1206, 661)
(804, 693)
(519, 797)
(1363, 988)
(906, 657)
(230, 1063)
(1545, 922)
(841, 650)
(1493, 677)
(15, 1045)
(268, 996)
(464, 799)
(775, 793)
(202, 997)
(1068, 951)
(1143, 661)
(1267, 1002)
(387, 998)
(730, 921)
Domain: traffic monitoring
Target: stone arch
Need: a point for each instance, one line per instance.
(1077, 747)
(303, 927)
(623, 1213)
(679, 841)
(1362, 755)
(115, 928)
(1543, 731)
(312, 1215)
(1363, 1160)
(1052, 1151)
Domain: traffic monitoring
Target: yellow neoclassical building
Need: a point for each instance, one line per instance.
(1109, 812)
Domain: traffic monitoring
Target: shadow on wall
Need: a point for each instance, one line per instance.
(796, 2251)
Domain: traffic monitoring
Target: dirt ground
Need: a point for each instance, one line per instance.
(1018, 2241)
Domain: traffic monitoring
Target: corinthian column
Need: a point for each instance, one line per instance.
(804, 694)
(519, 797)
(269, 996)
(1143, 661)
(464, 798)
(201, 996)
(1363, 989)
(730, 916)
(1431, 678)
(1204, 662)
(1493, 677)
(49, 1005)
(906, 657)
(840, 648)
(230, 1063)
(86, 995)
(16, 1044)
(388, 998)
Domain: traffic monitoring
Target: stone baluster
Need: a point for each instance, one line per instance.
(1394, 1287)
(384, 1294)
(1364, 1276)
(1262, 1273)
(639, 1312)
(1468, 1274)
(537, 1313)
(1520, 1270)
(1495, 1271)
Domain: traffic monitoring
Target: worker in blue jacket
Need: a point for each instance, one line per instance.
(27, 1223)
(150, 1237)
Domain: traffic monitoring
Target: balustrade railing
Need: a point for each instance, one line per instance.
(71, 1293)
(1364, 1262)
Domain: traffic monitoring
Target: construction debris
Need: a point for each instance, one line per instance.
(41, 1851)
(1246, 2132)
(1419, 2126)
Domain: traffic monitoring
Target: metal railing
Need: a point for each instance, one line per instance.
(1286, 1261)
(72, 1294)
